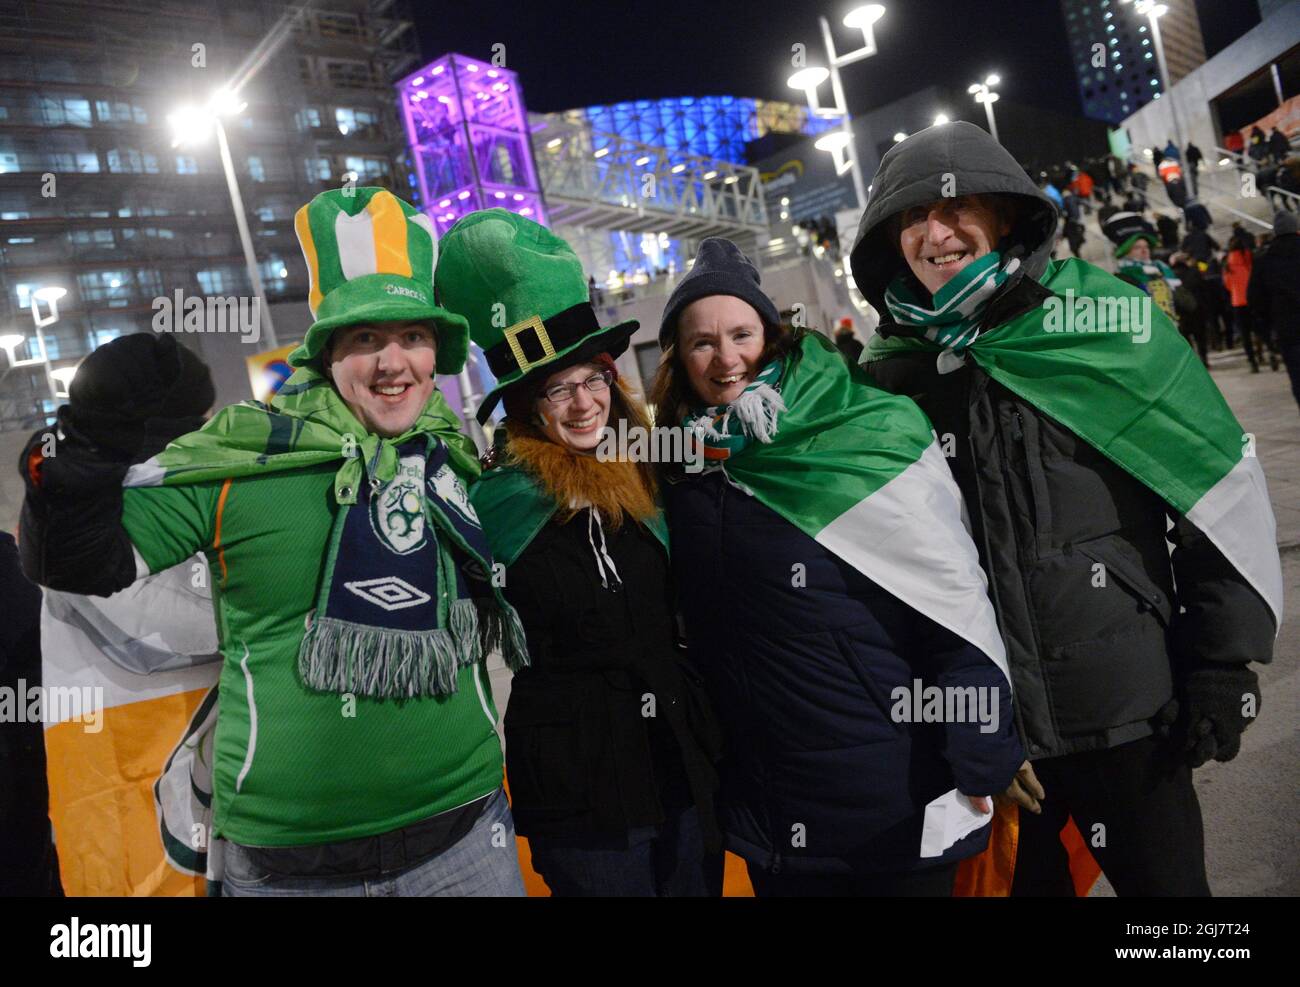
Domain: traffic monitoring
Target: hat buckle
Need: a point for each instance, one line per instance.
(511, 334)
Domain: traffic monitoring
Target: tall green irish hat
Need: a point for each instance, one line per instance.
(371, 257)
(524, 293)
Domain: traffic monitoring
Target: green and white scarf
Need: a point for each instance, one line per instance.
(307, 424)
(725, 429)
(953, 317)
(1142, 271)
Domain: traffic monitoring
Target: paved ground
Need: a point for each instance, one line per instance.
(1251, 805)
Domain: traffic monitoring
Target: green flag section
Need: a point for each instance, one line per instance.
(859, 470)
(1106, 363)
(305, 424)
(513, 508)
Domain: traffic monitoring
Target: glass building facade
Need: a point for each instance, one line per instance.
(94, 197)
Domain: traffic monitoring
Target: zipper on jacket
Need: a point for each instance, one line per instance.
(1018, 432)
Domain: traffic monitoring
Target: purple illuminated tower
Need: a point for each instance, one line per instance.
(467, 129)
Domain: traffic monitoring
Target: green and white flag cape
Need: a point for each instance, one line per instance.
(860, 471)
(305, 424)
(1103, 361)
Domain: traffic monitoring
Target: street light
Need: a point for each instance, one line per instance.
(900, 136)
(9, 342)
(1153, 11)
(192, 125)
(808, 79)
(836, 142)
(983, 93)
(941, 119)
(63, 377)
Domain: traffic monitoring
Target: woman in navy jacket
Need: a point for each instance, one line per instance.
(812, 665)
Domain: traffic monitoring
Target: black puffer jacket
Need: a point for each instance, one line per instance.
(1080, 570)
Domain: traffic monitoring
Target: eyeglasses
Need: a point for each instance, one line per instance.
(563, 393)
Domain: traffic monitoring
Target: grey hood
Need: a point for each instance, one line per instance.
(913, 172)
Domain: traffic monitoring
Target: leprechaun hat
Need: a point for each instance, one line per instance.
(1126, 228)
(523, 291)
(371, 258)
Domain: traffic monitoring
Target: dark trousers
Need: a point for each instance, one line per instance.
(1254, 345)
(1153, 843)
(660, 862)
(1291, 357)
(932, 882)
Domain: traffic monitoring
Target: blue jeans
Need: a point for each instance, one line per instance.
(667, 861)
(484, 863)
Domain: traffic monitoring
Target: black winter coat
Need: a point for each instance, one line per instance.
(802, 668)
(582, 757)
(1091, 664)
(1274, 291)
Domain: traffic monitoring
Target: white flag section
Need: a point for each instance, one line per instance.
(1237, 516)
(130, 788)
(909, 538)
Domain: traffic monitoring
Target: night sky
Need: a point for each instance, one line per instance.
(583, 53)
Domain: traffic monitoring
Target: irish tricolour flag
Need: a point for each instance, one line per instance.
(860, 470)
(1144, 401)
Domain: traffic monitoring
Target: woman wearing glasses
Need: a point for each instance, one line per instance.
(610, 742)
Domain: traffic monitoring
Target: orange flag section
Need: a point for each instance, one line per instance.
(989, 874)
(102, 803)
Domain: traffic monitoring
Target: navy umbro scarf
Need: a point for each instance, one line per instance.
(406, 600)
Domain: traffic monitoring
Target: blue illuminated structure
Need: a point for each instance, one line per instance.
(716, 126)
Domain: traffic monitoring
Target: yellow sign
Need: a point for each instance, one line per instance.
(267, 371)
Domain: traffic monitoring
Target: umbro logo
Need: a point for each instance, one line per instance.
(388, 592)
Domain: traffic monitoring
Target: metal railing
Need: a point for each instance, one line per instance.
(596, 178)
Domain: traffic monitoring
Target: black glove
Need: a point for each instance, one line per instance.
(1205, 721)
(135, 393)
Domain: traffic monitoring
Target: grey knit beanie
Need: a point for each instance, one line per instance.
(720, 269)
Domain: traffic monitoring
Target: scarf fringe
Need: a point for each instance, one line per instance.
(758, 410)
(381, 663)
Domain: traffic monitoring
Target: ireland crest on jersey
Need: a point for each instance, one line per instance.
(397, 508)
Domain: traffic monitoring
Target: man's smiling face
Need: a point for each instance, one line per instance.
(942, 237)
(384, 372)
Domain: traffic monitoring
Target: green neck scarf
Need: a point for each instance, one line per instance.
(954, 313)
(725, 429)
(412, 649)
(1143, 271)
(306, 424)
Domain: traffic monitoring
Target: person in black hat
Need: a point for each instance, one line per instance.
(826, 788)
(129, 398)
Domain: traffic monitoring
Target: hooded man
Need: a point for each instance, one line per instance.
(356, 750)
(1064, 396)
